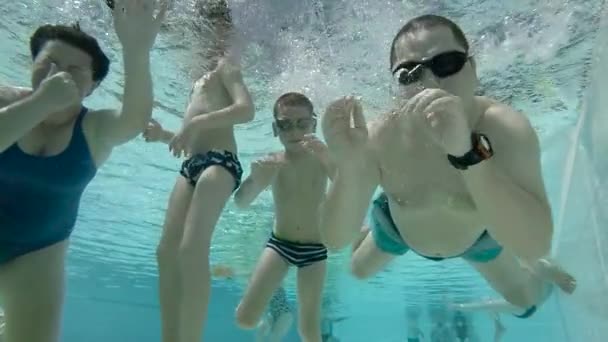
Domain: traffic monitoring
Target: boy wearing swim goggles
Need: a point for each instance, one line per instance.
(298, 178)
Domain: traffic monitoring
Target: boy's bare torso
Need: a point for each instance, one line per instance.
(209, 94)
(298, 191)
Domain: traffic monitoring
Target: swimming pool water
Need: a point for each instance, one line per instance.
(536, 56)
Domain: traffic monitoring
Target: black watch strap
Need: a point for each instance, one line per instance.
(481, 150)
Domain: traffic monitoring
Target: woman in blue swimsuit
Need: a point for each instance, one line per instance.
(50, 149)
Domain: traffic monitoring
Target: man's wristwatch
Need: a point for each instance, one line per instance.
(481, 150)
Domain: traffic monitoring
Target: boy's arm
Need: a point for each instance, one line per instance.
(240, 111)
(262, 174)
(155, 132)
(248, 192)
(166, 136)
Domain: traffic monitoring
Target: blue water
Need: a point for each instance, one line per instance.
(544, 59)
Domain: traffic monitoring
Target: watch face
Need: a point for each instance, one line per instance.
(484, 148)
(485, 143)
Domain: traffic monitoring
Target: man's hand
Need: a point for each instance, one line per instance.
(345, 130)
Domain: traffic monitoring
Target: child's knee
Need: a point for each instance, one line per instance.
(167, 252)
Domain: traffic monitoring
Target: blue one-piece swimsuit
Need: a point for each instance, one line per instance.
(40, 196)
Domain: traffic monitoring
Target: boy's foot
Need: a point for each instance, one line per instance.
(222, 271)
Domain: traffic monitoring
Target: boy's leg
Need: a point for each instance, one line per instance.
(32, 287)
(212, 191)
(311, 280)
(367, 258)
(268, 274)
(166, 256)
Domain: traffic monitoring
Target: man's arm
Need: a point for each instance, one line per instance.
(115, 128)
(19, 113)
(347, 202)
(240, 111)
(328, 164)
(331, 169)
(508, 189)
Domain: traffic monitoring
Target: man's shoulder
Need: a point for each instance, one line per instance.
(504, 123)
(500, 116)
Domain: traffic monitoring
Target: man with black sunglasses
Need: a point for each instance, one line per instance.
(460, 174)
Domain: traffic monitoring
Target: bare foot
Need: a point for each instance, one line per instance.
(555, 274)
(222, 271)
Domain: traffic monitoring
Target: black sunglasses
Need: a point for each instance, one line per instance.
(443, 65)
(285, 125)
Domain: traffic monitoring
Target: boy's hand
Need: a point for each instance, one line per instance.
(315, 146)
(182, 142)
(154, 132)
